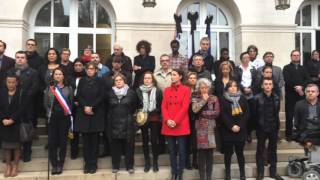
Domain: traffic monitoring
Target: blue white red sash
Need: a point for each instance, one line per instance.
(58, 94)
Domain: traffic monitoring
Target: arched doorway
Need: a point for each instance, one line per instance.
(307, 35)
(221, 27)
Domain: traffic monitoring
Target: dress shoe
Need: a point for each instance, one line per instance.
(59, 169)
(115, 170)
(147, 166)
(259, 177)
(155, 167)
(26, 158)
(54, 170)
(174, 177)
(131, 171)
(277, 177)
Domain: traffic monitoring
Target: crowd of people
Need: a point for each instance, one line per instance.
(192, 106)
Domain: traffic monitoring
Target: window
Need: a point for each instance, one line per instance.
(308, 31)
(221, 29)
(73, 24)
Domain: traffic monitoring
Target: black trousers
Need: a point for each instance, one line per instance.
(229, 148)
(205, 161)
(191, 144)
(272, 138)
(90, 149)
(290, 102)
(252, 123)
(74, 144)
(58, 136)
(154, 129)
(117, 147)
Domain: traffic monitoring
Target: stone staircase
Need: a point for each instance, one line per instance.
(37, 168)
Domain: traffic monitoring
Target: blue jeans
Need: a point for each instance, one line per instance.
(176, 143)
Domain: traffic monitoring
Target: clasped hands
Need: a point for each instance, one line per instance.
(7, 122)
(88, 110)
(171, 123)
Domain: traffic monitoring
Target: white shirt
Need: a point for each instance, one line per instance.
(257, 63)
(246, 78)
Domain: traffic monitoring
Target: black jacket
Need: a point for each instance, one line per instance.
(29, 86)
(127, 63)
(259, 108)
(35, 61)
(204, 73)
(313, 68)
(147, 64)
(6, 64)
(13, 111)
(90, 93)
(208, 61)
(303, 132)
(294, 77)
(68, 71)
(158, 99)
(121, 124)
(254, 75)
(228, 121)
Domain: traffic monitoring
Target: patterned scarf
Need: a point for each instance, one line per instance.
(120, 92)
(235, 106)
(149, 101)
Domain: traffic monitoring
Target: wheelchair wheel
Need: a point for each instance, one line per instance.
(295, 169)
(311, 175)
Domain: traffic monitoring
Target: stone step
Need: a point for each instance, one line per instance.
(40, 164)
(162, 174)
(42, 130)
(38, 151)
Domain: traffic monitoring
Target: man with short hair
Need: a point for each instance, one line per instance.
(6, 63)
(267, 106)
(198, 66)
(163, 75)
(29, 84)
(296, 78)
(177, 61)
(118, 51)
(277, 75)
(102, 69)
(204, 52)
(307, 118)
(35, 61)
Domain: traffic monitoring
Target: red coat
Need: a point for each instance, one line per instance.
(175, 106)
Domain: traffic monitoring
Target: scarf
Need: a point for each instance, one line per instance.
(120, 92)
(234, 99)
(20, 68)
(149, 102)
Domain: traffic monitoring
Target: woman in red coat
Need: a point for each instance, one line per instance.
(175, 124)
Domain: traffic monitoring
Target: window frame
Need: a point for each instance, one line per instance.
(308, 29)
(73, 30)
(201, 28)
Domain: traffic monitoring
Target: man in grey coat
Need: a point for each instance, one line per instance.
(268, 58)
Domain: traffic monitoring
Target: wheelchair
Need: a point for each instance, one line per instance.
(306, 167)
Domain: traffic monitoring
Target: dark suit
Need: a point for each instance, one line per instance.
(6, 64)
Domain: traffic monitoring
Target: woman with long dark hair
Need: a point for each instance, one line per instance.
(175, 123)
(234, 115)
(90, 115)
(59, 119)
(150, 99)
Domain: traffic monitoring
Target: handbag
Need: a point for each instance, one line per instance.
(26, 131)
(141, 117)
